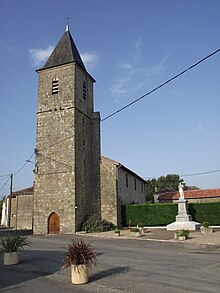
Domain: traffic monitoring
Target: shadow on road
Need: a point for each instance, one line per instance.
(5, 231)
(110, 272)
(33, 264)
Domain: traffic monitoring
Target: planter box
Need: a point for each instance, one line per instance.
(206, 230)
(117, 234)
(135, 234)
(181, 235)
(79, 274)
(11, 258)
(181, 238)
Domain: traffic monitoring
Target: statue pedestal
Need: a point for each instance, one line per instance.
(183, 220)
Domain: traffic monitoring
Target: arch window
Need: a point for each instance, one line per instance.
(55, 86)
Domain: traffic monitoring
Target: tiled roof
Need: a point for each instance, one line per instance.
(64, 52)
(189, 194)
(28, 190)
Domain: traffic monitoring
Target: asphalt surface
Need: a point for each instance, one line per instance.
(124, 265)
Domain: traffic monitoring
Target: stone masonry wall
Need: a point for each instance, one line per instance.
(115, 191)
(24, 211)
(86, 157)
(96, 159)
(108, 191)
(64, 178)
(83, 168)
(54, 188)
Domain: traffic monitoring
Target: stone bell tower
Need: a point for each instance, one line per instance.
(67, 172)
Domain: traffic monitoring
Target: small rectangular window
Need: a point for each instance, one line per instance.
(135, 184)
(142, 188)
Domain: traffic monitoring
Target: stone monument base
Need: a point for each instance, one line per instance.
(183, 220)
(188, 225)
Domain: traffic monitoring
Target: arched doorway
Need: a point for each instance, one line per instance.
(53, 224)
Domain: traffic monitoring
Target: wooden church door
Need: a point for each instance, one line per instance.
(53, 224)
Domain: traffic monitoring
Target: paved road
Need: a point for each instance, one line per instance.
(123, 266)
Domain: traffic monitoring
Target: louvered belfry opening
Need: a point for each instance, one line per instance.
(55, 86)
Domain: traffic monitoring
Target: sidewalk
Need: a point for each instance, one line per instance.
(151, 234)
(161, 234)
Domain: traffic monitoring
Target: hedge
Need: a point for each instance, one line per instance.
(165, 213)
(202, 212)
(149, 214)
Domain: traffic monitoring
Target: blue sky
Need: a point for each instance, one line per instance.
(129, 47)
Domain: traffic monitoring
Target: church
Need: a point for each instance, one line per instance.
(67, 176)
(67, 185)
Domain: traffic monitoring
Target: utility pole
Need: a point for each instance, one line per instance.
(10, 197)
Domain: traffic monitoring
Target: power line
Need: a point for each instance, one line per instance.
(14, 174)
(22, 167)
(126, 106)
(49, 146)
(5, 182)
(61, 163)
(6, 175)
(145, 95)
(189, 175)
(2, 179)
(201, 173)
(184, 175)
(161, 85)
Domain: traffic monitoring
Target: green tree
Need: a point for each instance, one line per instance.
(192, 187)
(151, 187)
(170, 181)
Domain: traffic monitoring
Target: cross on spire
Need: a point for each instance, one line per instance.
(67, 23)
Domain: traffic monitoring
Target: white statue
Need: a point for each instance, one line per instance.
(181, 190)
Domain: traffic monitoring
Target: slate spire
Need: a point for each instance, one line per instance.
(64, 52)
